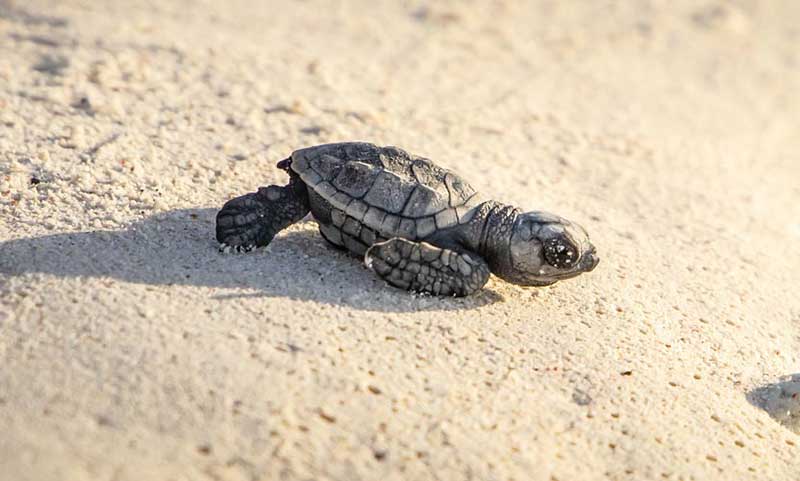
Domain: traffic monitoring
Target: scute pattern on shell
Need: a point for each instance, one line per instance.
(375, 193)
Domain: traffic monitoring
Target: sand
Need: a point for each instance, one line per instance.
(130, 349)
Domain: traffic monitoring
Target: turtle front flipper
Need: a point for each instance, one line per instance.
(253, 219)
(422, 267)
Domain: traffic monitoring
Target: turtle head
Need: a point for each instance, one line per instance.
(545, 248)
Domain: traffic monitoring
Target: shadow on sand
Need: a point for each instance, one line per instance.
(781, 400)
(177, 248)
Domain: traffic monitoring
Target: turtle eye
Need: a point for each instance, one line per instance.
(560, 253)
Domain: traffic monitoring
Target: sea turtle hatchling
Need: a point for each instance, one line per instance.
(418, 226)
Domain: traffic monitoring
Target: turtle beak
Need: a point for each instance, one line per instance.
(590, 260)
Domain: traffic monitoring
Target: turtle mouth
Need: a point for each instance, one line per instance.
(587, 263)
(589, 260)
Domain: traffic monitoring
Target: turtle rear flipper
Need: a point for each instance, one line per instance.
(253, 219)
(422, 267)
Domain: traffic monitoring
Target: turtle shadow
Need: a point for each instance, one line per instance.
(9, 11)
(178, 248)
(781, 400)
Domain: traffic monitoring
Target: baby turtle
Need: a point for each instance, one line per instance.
(418, 226)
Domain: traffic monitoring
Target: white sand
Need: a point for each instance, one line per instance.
(130, 349)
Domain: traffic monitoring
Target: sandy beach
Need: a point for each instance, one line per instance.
(131, 349)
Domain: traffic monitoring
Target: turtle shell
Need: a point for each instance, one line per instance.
(361, 193)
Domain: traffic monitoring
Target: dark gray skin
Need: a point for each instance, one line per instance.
(417, 226)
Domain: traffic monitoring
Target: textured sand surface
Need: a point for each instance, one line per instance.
(130, 349)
